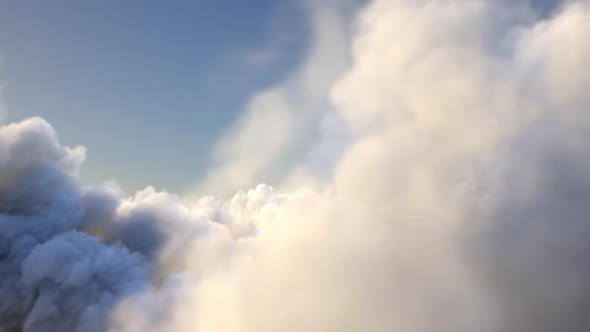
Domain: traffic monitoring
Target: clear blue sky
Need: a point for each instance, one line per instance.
(146, 86)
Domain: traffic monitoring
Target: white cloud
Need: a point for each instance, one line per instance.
(280, 122)
(262, 58)
(458, 203)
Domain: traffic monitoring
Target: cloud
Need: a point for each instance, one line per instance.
(261, 58)
(280, 122)
(456, 198)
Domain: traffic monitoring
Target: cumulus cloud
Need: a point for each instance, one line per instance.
(456, 199)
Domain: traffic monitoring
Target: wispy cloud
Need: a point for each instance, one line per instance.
(279, 123)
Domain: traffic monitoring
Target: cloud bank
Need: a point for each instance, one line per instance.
(457, 198)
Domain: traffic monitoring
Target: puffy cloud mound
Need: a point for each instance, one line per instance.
(54, 277)
(458, 200)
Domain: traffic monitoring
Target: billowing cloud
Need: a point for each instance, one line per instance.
(456, 199)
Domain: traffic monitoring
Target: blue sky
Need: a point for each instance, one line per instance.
(146, 86)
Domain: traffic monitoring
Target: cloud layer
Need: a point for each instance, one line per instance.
(456, 198)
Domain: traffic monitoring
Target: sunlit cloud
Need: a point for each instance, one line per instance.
(458, 140)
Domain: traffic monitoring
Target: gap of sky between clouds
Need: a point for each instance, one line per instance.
(146, 87)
